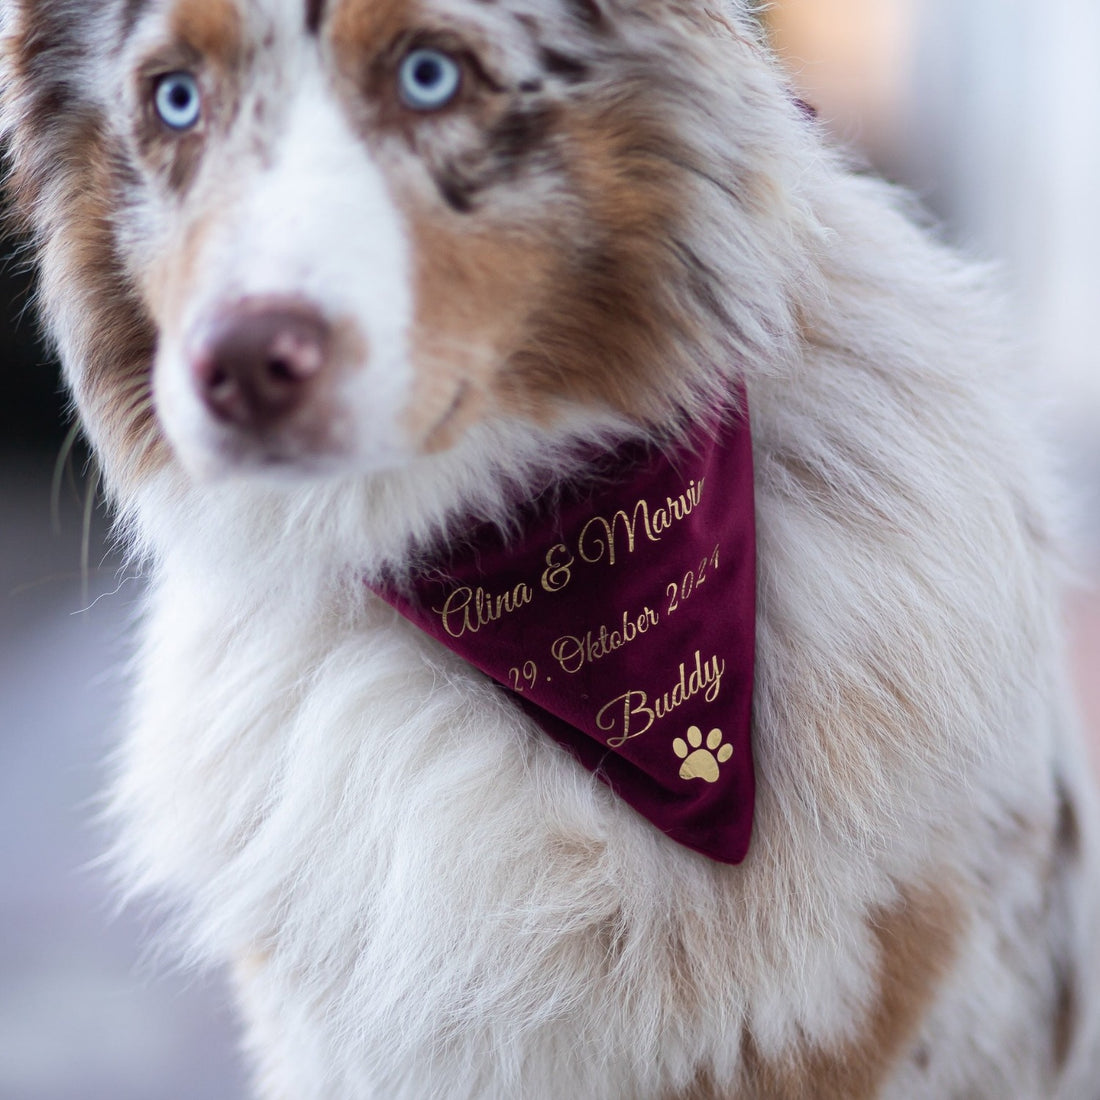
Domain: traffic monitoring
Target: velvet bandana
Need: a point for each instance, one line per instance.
(620, 614)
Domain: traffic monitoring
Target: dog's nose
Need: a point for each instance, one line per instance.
(259, 360)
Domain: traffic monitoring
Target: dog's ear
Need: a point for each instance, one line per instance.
(62, 173)
(734, 18)
(733, 21)
(39, 68)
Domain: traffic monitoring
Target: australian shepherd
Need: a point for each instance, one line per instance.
(602, 634)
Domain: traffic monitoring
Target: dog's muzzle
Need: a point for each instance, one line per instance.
(262, 362)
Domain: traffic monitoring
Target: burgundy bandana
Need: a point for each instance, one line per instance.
(622, 619)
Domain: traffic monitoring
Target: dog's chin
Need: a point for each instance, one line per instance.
(215, 454)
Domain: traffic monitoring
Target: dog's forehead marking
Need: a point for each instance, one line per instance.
(213, 27)
(222, 28)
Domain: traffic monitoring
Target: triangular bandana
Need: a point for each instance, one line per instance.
(622, 619)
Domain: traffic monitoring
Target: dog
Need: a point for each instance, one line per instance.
(426, 349)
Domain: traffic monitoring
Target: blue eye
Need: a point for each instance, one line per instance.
(178, 100)
(428, 79)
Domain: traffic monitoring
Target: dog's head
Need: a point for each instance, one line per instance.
(318, 235)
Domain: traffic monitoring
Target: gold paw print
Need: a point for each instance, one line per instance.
(701, 763)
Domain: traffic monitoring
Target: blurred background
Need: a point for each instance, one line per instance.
(986, 108)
